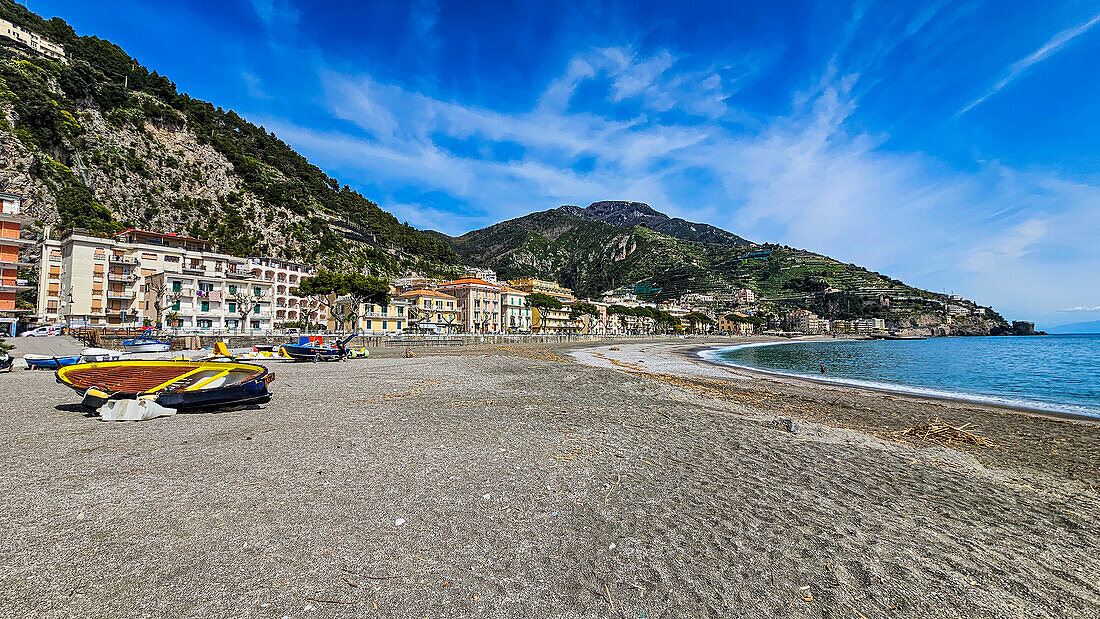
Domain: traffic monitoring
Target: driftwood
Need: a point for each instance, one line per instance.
(940, 432)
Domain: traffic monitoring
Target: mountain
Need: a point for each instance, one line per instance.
(616, 244)
(98, 141)
(619, 213)
(1092, 326)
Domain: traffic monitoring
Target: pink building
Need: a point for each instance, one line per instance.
(478, 304)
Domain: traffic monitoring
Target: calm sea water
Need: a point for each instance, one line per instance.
(1054, 372)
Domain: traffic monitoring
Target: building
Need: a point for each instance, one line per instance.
(515, 316)
(746, 297)
(735, 324)
(869, 325)
(32, 40)
(284, 277)
(806, 322)
(478, 304)
(842, 326)
(11, 226)
(88, 280)
(531, 285)
(208, 301)
(431, 310)
(488, 275)
(549, 320)
(374, 319)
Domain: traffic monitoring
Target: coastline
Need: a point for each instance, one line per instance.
(693, 354)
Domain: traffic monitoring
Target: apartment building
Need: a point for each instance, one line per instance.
(210, 301)
(735, 324)
(431, 311)
(11, 226)
(478, 304)
(374, 319)
(530, 285)
(89, 280)
(515, 316)
(33, 40)
(869, 325)
(284, 277)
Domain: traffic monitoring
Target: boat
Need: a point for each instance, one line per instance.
(7, 362)
(49, 362)
(91, 355)
(146, 344)
(313, 348)
(177, 385)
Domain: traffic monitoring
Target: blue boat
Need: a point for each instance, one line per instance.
(314, 349)
(49, 362)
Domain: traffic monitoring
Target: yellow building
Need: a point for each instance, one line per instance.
(431, 311)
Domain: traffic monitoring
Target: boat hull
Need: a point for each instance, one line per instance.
(146, 346)
(309, 353)
(43, 362)
(182, 385)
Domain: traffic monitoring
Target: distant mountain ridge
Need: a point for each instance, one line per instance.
(1090, 326)
(626, 213)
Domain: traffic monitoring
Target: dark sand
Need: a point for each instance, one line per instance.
(511, 481)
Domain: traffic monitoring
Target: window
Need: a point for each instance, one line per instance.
(232, 289)
(176, 305)
(206, 306)
(385, 325)
(205, 324)
(177, 286)
(400, 311)
(257, 291)
(370, 325)
(232, 306)
(170, 258)
(256, 309)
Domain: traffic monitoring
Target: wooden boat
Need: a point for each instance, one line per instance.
(181, 385)
(146, 344)
(49, 362)
(314, 349)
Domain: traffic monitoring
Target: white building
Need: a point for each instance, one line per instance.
(284, 277)
(36, 42)
(89, 280)
(869, 325)
(208, 302)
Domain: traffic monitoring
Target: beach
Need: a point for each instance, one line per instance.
(625, 479)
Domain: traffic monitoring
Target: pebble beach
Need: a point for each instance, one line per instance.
(595, 480)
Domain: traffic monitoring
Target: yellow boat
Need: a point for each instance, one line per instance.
(180, 385)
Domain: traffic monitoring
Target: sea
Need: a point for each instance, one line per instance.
(1059, 373)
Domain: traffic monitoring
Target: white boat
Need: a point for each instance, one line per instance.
(94, 355)
(146, 344)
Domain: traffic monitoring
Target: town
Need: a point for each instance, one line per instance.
(141, 278)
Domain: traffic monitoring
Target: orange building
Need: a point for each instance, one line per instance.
(11, 223)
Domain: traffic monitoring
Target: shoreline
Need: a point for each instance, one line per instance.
(692, 354)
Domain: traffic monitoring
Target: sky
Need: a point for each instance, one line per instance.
(952, 145)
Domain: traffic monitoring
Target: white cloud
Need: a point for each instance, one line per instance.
(995, 234)
(1082, 308)
(1045, 51)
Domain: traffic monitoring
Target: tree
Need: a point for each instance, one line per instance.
(587, 311)
(541, 302)
(163, 298)
(363, 289)
(698, 318)
(247, 300)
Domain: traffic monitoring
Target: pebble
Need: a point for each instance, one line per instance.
(554, 514)
(485, 496)
(399, 522)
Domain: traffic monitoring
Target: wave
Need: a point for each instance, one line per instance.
(714, 355)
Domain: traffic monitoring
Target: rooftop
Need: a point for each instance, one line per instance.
(424, 292)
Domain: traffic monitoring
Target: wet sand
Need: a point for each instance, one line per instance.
(516, 481)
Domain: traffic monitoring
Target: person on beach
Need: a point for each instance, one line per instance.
(822, 368)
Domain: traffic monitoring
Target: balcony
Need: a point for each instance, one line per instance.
(234, 274)
(121, 277)
(20, 242)
(192, 270)
(120, 294)
(124, 260)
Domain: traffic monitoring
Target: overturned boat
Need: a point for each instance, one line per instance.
(176, 385)
(314, 349)
(91, 355)
(49, 362)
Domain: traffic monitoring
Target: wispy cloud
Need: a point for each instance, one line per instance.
(1049, 48)
(1082, 308)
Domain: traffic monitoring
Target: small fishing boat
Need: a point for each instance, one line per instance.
(178, 385)
(49, 362)
(147, 343)
(92, 355)
(314, 349)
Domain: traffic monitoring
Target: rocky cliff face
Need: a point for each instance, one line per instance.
(99, 142)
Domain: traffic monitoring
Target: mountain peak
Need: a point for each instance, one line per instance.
(635, 212)
(628, 213)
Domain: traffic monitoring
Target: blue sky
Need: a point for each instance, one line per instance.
(953, 145)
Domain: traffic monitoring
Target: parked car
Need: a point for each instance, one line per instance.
(43, 331)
